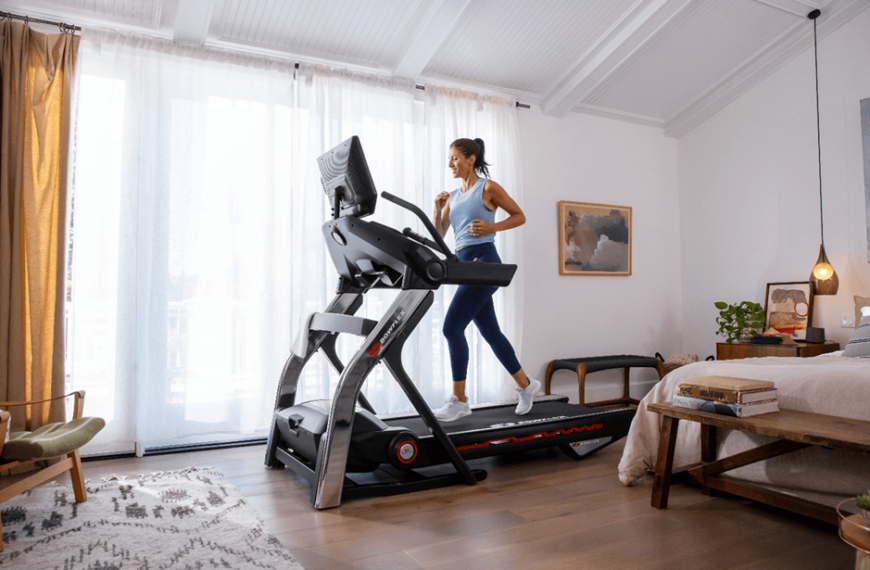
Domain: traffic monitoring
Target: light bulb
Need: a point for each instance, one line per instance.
(823, 271)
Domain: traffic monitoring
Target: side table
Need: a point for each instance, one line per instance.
(738, 350)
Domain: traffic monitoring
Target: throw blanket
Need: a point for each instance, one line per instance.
(829, 384)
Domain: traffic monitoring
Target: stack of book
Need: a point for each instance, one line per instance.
(738, 397)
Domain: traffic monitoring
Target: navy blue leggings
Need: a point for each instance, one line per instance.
(473, 302)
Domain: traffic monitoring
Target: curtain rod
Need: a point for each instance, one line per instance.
(27, 19)
(518, 104)
(423, 88)
(70, 28)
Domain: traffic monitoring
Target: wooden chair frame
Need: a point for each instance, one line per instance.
(21, 482)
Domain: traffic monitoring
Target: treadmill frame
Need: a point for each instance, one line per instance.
(384, 341)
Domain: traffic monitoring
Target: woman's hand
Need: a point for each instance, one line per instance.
(441, 200)
(441, 216)
(481, 228)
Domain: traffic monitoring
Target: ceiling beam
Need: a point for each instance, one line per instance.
(623, 40)
(192, 21)
(770, 59)
(433, 27)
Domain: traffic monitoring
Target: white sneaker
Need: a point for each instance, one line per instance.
(452, 410)
(527, 397)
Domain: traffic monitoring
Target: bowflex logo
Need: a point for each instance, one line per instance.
(528, 422)
(376, 348)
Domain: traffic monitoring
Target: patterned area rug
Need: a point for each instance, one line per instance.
(185, 519)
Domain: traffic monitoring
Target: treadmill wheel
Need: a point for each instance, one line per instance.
(403, 450)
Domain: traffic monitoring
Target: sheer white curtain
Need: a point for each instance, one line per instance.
(197, 249)
(182, 246)
(451, 114)
(382, 112)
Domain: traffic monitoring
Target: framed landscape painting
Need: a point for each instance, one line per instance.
(594, 239)
(788, 308)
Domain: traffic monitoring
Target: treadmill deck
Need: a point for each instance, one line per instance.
(496, 418)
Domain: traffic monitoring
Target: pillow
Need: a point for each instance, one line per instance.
(51, 439)
(859, 344)
(860, 302)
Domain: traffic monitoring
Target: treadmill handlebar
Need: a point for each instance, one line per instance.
(426, 222)
(408, 232)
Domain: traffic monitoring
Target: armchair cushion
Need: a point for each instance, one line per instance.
(51, 440)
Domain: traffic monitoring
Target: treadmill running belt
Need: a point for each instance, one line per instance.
(500, 417)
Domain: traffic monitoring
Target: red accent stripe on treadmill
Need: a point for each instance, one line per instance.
(514, 439)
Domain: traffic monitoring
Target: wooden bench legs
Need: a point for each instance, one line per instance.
(582, 370)
(665, 462)
(706, 473)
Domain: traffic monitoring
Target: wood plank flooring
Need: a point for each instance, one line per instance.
(540, 510)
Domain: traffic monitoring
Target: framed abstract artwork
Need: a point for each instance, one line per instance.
(788, 308)
(594, 239)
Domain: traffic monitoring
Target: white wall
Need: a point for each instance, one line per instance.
(583, 158)
(749, 189)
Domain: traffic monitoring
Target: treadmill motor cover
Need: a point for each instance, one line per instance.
(301, 427)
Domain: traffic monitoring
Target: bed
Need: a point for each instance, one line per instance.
(830, 384)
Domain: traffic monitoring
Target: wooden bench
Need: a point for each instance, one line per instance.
(583, 366)
(794, 430)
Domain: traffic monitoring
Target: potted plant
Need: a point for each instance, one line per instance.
(738, 321)
(863, 501)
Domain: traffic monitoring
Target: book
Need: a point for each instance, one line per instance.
(729, 383)
(724, 394)
(725, 408)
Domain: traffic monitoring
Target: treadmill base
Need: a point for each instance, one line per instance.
(388, 481)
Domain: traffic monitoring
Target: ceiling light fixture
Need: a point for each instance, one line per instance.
(824, 278)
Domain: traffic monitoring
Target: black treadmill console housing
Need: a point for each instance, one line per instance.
(347, 181)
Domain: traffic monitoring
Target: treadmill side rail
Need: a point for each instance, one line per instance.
(335, 443)
(342, 304)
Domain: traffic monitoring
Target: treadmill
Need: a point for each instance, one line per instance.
(341, 446)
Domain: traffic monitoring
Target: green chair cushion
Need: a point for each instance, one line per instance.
(51, 439)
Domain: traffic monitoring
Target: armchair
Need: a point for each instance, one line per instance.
(52, 441)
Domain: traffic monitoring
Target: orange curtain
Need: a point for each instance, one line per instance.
(37, 77)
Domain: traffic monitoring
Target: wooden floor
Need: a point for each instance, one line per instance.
(536, 511)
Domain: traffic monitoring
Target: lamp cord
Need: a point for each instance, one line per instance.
(819, 132)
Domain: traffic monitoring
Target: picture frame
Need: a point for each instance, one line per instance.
(594, 239)
(788, 308)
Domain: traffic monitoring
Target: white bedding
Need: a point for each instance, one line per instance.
(829, 384)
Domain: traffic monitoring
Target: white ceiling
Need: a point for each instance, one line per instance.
(667, 63)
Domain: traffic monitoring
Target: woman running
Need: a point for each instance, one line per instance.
(470, 211)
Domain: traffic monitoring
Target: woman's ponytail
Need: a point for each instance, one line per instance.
(480, 164)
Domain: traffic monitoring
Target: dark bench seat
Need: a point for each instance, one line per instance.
(583, 366)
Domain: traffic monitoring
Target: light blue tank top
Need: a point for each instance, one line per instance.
(464, 209)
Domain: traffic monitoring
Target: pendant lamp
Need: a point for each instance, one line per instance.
(823, 277)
